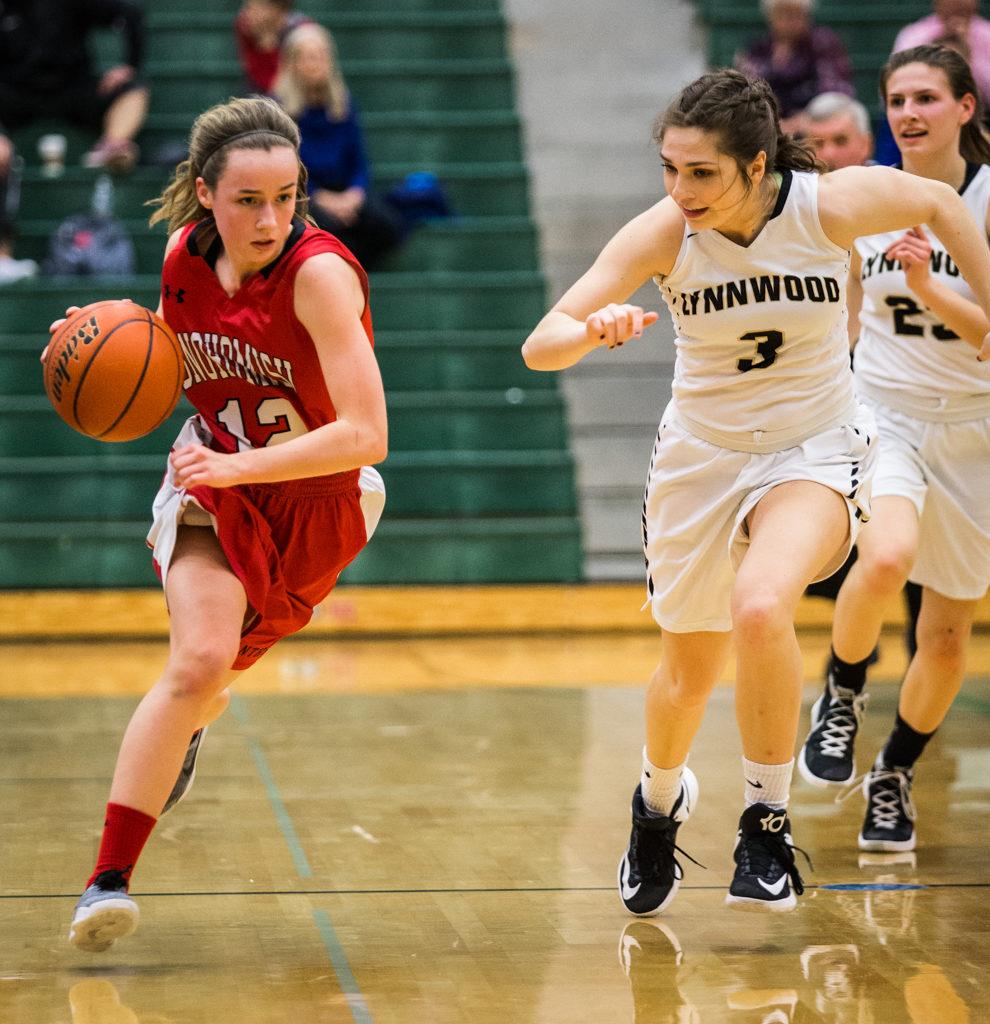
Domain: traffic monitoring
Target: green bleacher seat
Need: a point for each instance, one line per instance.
(500, 549)
(491, 189)
(476, 243)
(468, 421)
(383, 85)
(868, 30)
(479, 476)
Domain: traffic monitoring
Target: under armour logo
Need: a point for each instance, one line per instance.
(179, 293)
(772, 822)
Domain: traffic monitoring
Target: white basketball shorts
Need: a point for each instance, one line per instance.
(944, 470)
(698, 496)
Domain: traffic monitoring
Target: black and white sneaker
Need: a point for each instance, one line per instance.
(649, 872)
(187, 773)
(890, 814)
(827, 757)
(766, 876)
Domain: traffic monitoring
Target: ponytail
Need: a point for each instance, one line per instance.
(254, 123)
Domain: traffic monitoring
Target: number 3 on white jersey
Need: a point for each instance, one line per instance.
(270, 412)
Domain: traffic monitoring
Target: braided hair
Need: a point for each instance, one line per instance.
(743, 115)
(974, 145)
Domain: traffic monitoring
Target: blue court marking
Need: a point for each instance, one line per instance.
(274, 796)
(356, 1002)
(345, 976)
(872, 886)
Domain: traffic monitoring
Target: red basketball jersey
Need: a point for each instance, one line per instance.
(252, 370)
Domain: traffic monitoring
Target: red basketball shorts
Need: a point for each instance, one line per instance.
(286, 542)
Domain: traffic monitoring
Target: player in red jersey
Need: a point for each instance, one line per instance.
(268, 493)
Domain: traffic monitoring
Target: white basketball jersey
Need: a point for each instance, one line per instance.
(762, 348)
(902, 345)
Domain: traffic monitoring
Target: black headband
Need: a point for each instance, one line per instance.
(244, 135)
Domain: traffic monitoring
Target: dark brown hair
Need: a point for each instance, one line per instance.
(742, 114)
(973, 143)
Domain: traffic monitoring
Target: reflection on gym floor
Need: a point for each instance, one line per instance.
(363, 846)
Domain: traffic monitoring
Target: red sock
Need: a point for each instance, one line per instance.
(125, 831)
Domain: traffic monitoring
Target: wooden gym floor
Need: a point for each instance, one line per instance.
(406, 817)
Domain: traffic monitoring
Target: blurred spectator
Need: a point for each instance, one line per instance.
(46, 71)
(10, 269)
(313, 91)
(797, 57)
(260, 30)
(954, 23)
(839, 128)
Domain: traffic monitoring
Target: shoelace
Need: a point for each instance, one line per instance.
(659, 858)
(839, 722)
(890, 797)
(760, 852)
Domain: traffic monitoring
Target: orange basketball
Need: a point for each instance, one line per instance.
(114, 371)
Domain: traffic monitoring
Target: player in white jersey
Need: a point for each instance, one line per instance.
(760, 474)
(918, 324)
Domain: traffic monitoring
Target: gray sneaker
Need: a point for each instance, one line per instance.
(104, 913)
(187, 773)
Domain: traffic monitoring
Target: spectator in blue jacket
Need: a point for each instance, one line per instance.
(312, 89)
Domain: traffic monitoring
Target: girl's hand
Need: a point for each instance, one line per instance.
(615, 324)
(984, 354)
(914, 252)
(345, 206)
(55, 325)
(195, 465)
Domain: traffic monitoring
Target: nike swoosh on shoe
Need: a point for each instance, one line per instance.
(628, 891)
(777, 888)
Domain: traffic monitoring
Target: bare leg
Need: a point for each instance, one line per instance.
(794, 531)
(935, 674)
(206, 605)
(690, 664)
(887, 547)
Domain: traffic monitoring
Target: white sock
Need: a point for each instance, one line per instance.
(768, 784)
(660, 786)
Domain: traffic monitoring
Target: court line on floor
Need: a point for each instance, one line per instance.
(299, 858)
(346, 981)
(447, 892)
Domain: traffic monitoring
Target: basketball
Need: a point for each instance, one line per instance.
(114, 371)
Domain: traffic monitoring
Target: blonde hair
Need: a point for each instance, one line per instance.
(337, 99)
(254, 123)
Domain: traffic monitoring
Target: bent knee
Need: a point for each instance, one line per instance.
(759, 612)
(885, 568)
(199, 670)
(687, 690)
